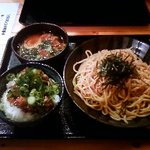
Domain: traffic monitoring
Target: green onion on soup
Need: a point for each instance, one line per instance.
(41, 46)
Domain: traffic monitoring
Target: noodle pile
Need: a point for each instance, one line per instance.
(126, 103)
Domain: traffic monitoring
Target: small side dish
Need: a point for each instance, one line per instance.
(40, 42)
(41, 46)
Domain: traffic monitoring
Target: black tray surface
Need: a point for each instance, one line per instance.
(104, 12)
(68, 121)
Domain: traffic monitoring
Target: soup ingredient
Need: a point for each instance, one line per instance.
(41, 46)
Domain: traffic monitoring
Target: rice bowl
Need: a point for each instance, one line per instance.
(25, 102)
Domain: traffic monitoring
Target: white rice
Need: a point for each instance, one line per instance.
(14, 113)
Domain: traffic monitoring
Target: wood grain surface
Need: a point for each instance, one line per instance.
(92, 30)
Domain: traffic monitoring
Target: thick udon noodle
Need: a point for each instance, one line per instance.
(127, 103)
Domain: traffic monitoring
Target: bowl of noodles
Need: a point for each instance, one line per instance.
(29, 93)
(108, 78)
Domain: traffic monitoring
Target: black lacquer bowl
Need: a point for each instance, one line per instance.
(42, 46)
(51, 73)
(96, 44)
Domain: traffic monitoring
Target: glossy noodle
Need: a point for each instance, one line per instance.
(125, 102)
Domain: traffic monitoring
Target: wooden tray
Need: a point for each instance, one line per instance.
(68, 121)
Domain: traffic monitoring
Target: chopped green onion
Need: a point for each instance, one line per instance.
(31, 100)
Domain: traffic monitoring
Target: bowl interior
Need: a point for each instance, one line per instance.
(35, 29)
(51, 72)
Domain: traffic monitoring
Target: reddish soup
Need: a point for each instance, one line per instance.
(41, 46)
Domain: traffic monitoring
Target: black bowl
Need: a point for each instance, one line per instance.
(96, 44)
(48, 70)
(40, 29)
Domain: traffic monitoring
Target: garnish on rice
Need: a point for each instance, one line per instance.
(32, 91)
